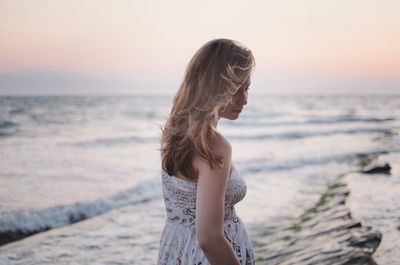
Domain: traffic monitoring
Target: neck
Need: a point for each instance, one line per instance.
(215, 124)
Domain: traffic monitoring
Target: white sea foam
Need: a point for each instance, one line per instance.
(43, 219)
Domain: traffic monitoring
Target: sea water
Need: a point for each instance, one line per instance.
(96, 160)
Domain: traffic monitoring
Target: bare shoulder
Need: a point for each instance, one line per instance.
(220, 146)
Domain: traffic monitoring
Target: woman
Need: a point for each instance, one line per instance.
(200, 183)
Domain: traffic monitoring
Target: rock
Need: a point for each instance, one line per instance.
(385, 169)
(324, 234)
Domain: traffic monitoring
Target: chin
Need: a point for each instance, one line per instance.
(234, 116)
(231, 115)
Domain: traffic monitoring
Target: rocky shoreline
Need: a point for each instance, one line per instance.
(325, 233)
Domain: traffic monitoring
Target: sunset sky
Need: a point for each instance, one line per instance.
(105, 47)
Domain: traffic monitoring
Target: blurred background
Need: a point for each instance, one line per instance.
(86, 85)
(142, 47)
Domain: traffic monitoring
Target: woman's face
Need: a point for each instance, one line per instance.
(239, 99)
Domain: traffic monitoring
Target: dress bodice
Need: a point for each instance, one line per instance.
(180, 197)
(178, 243)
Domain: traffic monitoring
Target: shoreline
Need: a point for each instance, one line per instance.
(325, 233)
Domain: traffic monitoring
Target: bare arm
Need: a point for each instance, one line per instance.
(211, 187)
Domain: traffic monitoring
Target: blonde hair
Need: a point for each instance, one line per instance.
(212, 77)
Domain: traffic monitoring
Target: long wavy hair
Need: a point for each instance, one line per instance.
(212, 77)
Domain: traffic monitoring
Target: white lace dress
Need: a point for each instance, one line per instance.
(178, 244)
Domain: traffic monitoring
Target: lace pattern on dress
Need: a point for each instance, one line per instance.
(178, 244)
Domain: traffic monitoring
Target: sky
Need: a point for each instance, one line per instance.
(143, 47)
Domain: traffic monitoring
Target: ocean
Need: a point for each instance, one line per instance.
(80, 175)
